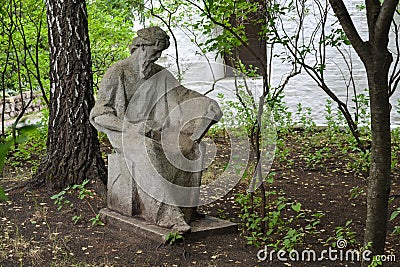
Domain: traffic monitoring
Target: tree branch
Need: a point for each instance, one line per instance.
(348, 26)
(383, 22)
(395, 75)
(373, 8)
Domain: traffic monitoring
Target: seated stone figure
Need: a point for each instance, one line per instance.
(155, 126)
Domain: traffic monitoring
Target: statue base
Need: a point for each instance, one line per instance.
(200, 228)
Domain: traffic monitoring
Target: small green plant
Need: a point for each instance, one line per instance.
(360, 161)
(355, 192)
(282, 115)
(83, 192)
(314, 159)
(6, 146)
(394, 216)
(376, 261)
(28, 153)
(282, 219)
(96, 220)
(3, 196)
(395, 133)
(282, 153)
(362, 116)
(313, 222)
(76, 218)
(221, 214)
(270, 177)
(60, 198)
(305, 117)
(173, 237)
(231, 108)
(334, 120)
(343, 233)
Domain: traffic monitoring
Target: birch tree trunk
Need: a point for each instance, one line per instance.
(73, 150)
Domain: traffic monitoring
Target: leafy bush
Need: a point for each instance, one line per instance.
(28, 153)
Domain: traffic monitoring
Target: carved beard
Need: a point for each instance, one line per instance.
(146, 69)
(147, 66)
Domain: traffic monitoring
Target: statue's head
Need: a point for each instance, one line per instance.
(149, 44)
(152, 36)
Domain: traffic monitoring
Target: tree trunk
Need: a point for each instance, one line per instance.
(379, 175)
(73, 150)
(377, 60)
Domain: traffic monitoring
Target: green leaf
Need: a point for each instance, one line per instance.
(22, 137)
(394, 214)
(270, 178)
(296, 207)
(85, 182)
(3, 196)
(4, 148)
(396, 230)
(172, 237)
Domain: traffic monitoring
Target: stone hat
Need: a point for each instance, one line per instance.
(150, 36)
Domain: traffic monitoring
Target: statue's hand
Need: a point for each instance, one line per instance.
(144, 128)
(151, 130)
(134, 129)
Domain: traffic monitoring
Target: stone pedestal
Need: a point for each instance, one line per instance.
(200, 228)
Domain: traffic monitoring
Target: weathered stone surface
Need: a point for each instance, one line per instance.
(121, 189)
(13, 105)
(155, 125)
(200, 228)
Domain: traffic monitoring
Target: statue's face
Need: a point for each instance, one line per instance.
(151, 53)
(148, 54)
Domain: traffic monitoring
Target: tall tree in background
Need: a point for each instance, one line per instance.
(73, 150)
(377, 59)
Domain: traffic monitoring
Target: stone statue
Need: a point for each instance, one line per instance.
(155, 126)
